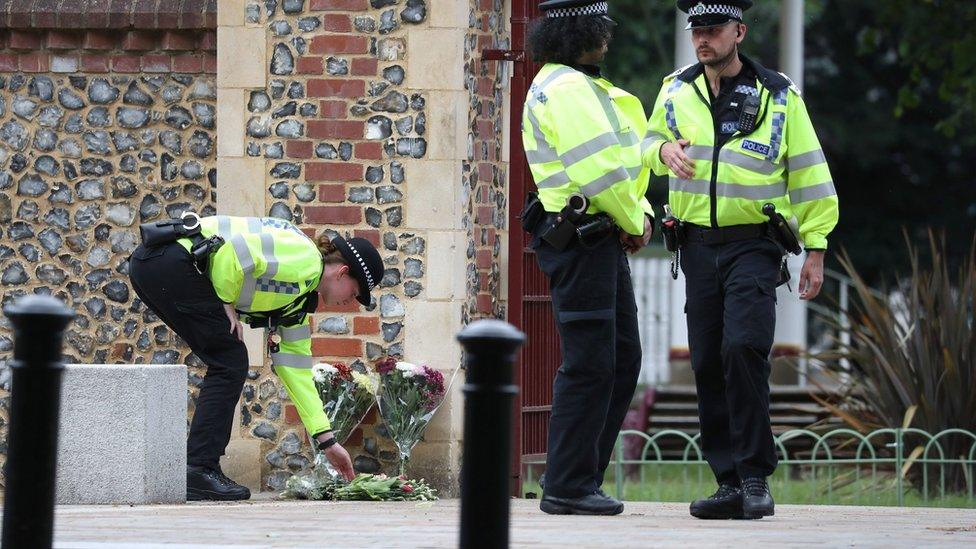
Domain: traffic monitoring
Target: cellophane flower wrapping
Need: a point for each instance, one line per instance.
(408, 396)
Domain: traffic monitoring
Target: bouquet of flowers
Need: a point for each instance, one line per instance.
(346, 394)
(408, 397)
(319, 485)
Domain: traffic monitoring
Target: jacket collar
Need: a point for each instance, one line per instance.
(769, 79)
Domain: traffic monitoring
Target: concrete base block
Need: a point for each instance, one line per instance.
(122, 434)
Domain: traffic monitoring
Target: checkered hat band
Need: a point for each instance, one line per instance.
(715, 9)
(362, 263)
(598, 8)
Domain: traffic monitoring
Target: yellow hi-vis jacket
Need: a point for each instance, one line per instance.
(265, 264)
(582, 134)
(780, 162)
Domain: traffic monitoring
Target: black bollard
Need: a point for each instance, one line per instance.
(489, 347)
(35, 400)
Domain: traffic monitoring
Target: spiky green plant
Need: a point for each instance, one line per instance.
(911, 360)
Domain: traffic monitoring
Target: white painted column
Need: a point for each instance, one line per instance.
(791, 40)
(791, 321)
(684, 51)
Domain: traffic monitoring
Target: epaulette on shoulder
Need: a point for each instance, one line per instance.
(792, 84)
(675, 74)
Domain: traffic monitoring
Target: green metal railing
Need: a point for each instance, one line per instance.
(866, 467)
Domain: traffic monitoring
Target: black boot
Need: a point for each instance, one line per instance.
(725, 503)
(757, 502)
(204, 483)
(592, 504)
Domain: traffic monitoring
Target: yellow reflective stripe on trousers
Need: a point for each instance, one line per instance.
(291, 360)
(813, 192)
(729, 190)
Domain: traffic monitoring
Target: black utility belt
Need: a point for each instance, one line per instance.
(307, 303)
(723, 235)
(168, 231)
(588, 229)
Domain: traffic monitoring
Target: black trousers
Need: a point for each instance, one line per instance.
(596, 316)
(167, 282)
(731, 309)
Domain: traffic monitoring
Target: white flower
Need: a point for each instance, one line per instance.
(407, 369)
(323, 372)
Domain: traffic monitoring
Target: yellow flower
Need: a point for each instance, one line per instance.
(367, 382)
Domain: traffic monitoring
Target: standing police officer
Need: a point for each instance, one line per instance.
(582, 139)
(734, 136)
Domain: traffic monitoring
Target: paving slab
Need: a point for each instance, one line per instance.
(266, 522)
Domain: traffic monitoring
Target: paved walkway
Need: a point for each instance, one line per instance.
(297, 524)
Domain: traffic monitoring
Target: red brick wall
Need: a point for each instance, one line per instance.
(488, 174)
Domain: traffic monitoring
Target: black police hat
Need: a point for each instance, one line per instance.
(364, 263)
(710, 13)
(573, 8)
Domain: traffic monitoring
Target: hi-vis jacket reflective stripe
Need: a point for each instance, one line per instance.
(582, 134)
(780, 162)
(265, 264)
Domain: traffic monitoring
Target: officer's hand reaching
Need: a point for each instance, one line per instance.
(674, 157)
(338, 457)
(811, 276)
(235, 323)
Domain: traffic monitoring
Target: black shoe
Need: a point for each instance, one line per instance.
(593, 504)
(203, 484)
(725, 503)
(757, 502)
(599, 491)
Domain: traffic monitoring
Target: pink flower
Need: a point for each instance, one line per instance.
(407, 488)
(434, 381)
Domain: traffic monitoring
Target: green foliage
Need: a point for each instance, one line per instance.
(798, 485)
(915, 31)
(911, 361)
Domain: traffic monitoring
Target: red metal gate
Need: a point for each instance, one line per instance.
(530, 307)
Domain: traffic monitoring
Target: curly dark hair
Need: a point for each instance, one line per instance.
(564, 39)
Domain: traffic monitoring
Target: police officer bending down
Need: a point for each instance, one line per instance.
(582, 139)
(734, 137)
(203, 277)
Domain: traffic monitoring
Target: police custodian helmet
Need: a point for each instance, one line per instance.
(573, 8)
(711, 13)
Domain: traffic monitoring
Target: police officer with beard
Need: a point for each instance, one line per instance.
(737, 142)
